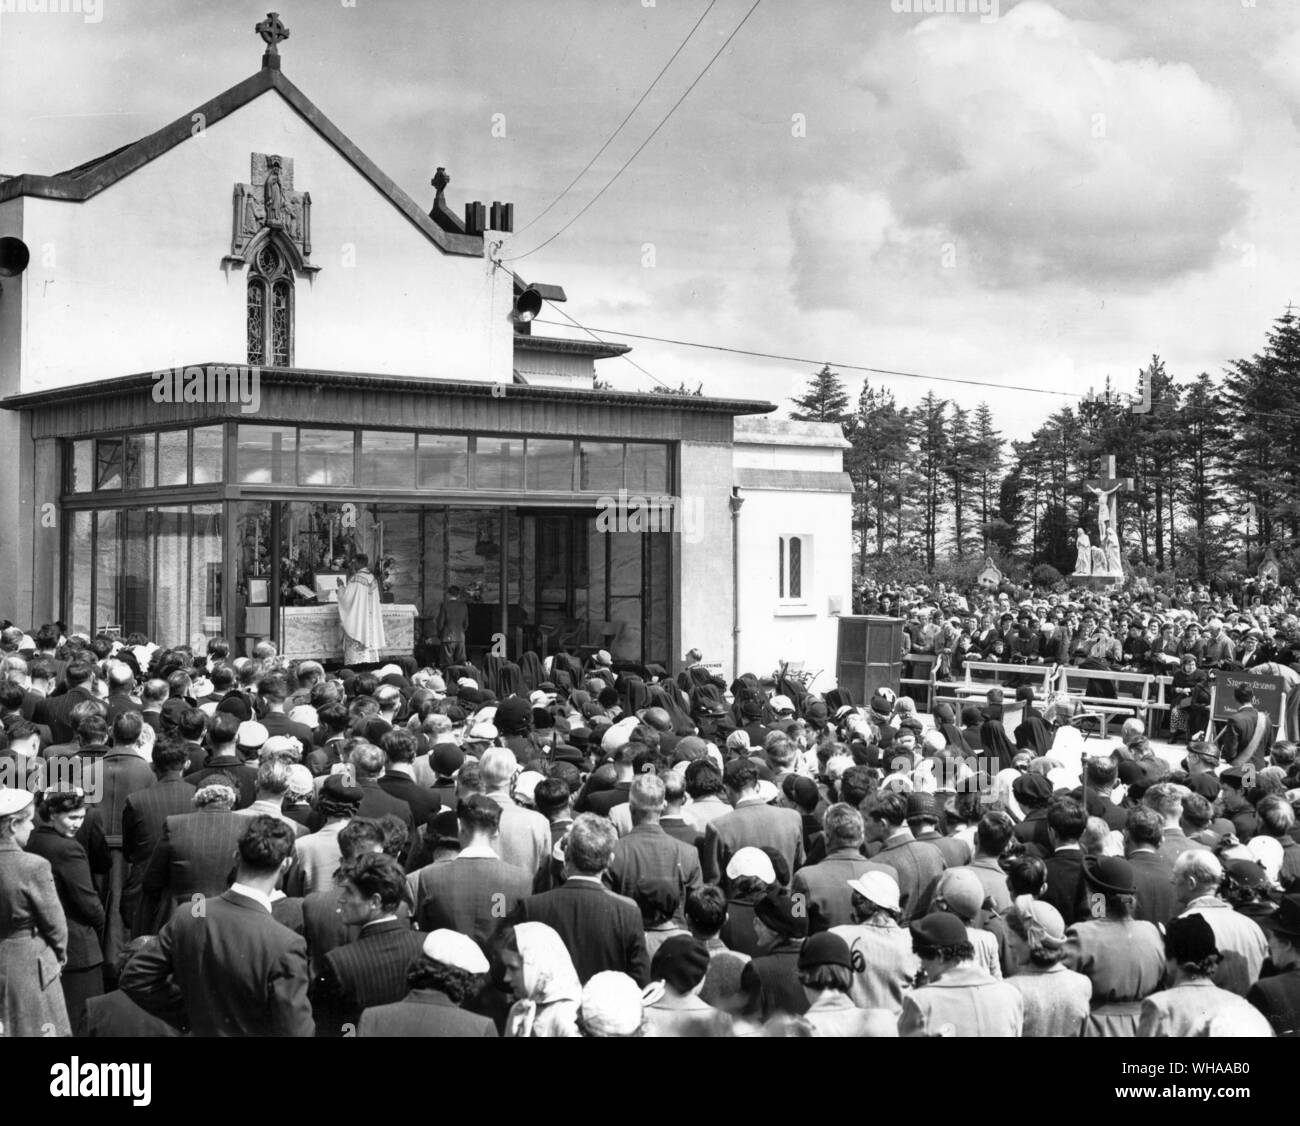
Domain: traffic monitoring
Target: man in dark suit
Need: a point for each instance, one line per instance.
(372, 969)
(1100, 776)
(477, 891)
(1066, 821)
(923, 820)
(397, 780)
(824, 886)
(224, 758)
(195, 856)
(368, 766)
(230, 969)
(1249, 735)
(437, 989)
(56, 711)
(191, 724)
(274, 689)
(601, 929)
(1153, 874)
(121, 681)
(752, 823)
(323, 927)
(91, 740)
(647, 852)
(1278, 996)
(14, 701)
(146, 812)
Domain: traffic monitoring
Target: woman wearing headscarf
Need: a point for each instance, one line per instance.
(945, 721)
(659, 696)
(1056, 999)
(1122, 957)
(542, 978)
(33, 930)
(612, 1005)
(530, 666)
(994, 740)
(55, 838)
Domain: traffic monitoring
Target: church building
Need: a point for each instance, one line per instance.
(254, 355)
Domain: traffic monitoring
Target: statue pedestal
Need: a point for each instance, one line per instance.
(1095, 582)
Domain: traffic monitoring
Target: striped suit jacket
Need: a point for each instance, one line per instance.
(369, 971)
(118, 775)
(196, 855)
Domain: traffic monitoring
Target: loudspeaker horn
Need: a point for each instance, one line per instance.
(14, 257)
(527, 305)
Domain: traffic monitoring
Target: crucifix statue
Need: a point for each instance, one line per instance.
(272, 31)
(1107, 490)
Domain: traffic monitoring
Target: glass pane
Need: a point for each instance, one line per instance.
(137, 571)
(173, 586)
(206, 551)
(600, 467)
(266, 454)
(325, 457)
(80, 563)
(83, 459)
(208, 454)
(550, 465)
(499, 463)
(108, 463)
(139, 460)
(387, 459)
(108, 608)
(280, 325)
(443, 461)
(796, 567)
(173, 457)
(256, 322)
(647, 468)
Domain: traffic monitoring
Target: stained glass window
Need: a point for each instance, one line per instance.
(256, 321)
(270, 310)
(280, 325)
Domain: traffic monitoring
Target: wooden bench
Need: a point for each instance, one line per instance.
(1104, 708)
(957, 692)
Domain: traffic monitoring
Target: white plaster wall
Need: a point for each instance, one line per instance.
(771, 632)
(703, 579)
(133, 280)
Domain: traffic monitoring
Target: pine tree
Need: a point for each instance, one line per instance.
(986, 466)
(825, 400)
(932, 448)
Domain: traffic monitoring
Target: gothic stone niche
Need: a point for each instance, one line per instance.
(270, 204)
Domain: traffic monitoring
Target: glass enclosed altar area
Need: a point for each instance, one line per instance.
(246, 530)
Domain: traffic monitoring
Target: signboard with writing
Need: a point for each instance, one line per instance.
(1270, 694)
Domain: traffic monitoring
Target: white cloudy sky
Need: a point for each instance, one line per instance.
(1039, 199)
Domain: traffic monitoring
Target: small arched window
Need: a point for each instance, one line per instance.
(270, 309)
(790, 566)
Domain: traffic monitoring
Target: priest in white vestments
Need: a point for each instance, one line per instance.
(361, 615)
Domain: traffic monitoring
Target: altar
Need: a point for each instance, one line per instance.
(313, 632)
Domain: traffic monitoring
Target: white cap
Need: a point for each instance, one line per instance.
(603, 657)
(467, 682)
(781, 704)
(767, 791)
(13, 801)
(200, 686)
(304, 714)
(300, 779)
(437, 683)
(457, 950)
(526, 785)
(251, 734)
(280, 745)
(878, 887)
(750, 861)
(387, 670)
(482, 732)
(539, 699)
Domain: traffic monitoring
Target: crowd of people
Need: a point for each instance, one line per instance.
(1187, 634)
(194, 843)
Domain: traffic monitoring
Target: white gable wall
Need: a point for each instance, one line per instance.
(131, 279)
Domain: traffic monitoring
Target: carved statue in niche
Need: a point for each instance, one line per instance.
(269, 201)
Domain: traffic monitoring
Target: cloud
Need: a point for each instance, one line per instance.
(1040, 157)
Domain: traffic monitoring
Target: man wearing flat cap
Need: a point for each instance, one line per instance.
(960, 998)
